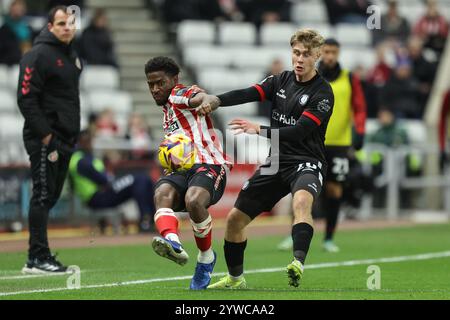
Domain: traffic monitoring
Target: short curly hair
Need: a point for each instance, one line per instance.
(308, 37)
(165, 64)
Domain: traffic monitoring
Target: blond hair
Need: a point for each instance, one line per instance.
(310, 38)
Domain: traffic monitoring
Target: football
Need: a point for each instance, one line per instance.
(177, 153)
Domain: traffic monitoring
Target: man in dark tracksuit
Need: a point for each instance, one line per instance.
(93, 186)
(48, 98)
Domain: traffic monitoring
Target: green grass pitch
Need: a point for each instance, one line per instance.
(115, 272)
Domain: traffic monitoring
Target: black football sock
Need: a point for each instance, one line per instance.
(302, 234)
(234, 256)
(332, 207)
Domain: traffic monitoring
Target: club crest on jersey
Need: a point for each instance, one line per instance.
(324, 105)
(303, 99)
(53, 156)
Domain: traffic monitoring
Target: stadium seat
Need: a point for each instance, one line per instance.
(323, 28)
(353, 35)
(11, 126)
(3, 76)
(219, 80)
(276, 34)
(195, 32)
(412, 11)
(309, 11)
(118, 101)
(237, 33)
(207, 56)
(8, 103)
(252, 58)
(13, 76)
(352, 57)
(99, 77)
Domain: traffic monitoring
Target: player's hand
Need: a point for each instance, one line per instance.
(239, 126)
(208, 105)
(358, 141)
(46, 140)
(197, 89)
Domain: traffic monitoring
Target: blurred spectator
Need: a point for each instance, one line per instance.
(444, 134)
(347, 11)
(15, 34)
(432, 28)
(389, 132)
(139, 135)
(96, 45)
(394, 28)
(375, 81)
(265, 11)
(220, 10)
(97, 190)
(400, 92)
(106, 125)
(265, 107)
(381, 72)
(423, 70)
(178, 10)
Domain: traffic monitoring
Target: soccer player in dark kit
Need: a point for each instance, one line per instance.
(302, 103)
(48, 98)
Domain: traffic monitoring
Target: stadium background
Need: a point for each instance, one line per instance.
(221, 48)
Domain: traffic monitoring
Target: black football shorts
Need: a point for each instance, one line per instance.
(261, 192)
(210, 177)
(338, 163)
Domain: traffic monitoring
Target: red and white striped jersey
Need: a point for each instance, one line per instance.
(180, 118)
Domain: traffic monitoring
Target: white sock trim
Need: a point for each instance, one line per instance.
(202, 229)
(164, 212)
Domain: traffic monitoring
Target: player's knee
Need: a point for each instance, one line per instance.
(334, 190)
(196, 199)
(302, 203)
(164, 194)
(236, 221)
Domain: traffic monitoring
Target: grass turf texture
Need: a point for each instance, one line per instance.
(426, 279)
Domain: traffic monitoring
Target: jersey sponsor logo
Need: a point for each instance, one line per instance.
(173, 127)
(284, 119)
(281, 93)
(324, 105)
(303, 99)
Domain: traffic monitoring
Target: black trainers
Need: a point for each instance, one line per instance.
(48, 265)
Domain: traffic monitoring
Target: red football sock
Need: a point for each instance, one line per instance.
(203, 233)
(166, 221)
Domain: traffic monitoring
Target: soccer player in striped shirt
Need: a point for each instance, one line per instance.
(196, 189)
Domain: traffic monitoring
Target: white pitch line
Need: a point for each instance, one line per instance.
(31, 276)
(425, 256)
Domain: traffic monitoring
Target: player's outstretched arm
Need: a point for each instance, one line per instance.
(231, 98)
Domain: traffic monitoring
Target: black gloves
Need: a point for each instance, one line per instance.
(358, 141)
